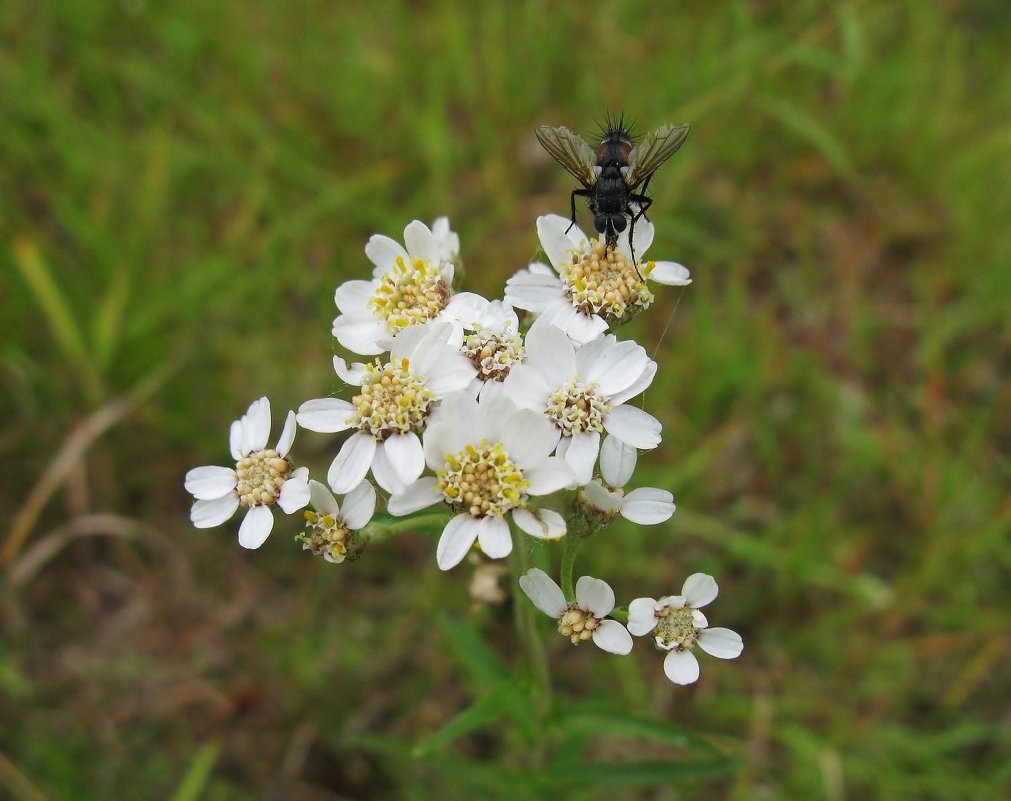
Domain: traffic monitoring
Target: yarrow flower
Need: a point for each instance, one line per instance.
(646, 506)
(494, 346)
(332, 532)
(409, 286)
(261, 479)
(589, 286)
(585, 617)
(583, 392)
(392, 409)
(678, 626)
(490, 460)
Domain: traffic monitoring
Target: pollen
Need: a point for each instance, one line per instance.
(577, 624)
(393, 400)
(325, 535)
(493, 355)
(577, 407)
(483, 481)
(409, 294)
(261, 476)
(600, 280)
(675, 628)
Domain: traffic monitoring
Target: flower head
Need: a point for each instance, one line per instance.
(678, 626)
(261, 479)
(490, 460)
(606, 499)
(589, 286)
(583, 392)
(392, 408)
(585, 617)
(332, 532)
(494, 346)
(409, 286)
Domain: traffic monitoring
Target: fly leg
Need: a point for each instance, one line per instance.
(643, 203)
(572, 199)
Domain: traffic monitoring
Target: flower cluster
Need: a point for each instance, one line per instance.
(514, 417)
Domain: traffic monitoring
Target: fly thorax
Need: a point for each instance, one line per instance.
(577, 624)
(576, 407)
(393, 400)
(600, 280)
(482, 480)
(493, 355)
(675, 628)
(409, 294)
(261, 476)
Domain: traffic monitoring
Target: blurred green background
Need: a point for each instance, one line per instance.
(182, 186)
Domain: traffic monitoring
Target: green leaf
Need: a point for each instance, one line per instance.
(806, 127)
(199, 772)
(616, 723)
(485, 710)
(596, 774)
(472, 652)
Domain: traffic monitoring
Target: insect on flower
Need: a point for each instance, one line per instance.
(612, 175)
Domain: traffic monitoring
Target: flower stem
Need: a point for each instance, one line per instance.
(571, 547)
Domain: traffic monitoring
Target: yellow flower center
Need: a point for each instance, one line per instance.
(493, 355)
(577, 624)
(325, 535)
(482, 480)
(576, 407)
(601, 281)
(261, 476)
(675, 628)
(410, 293)
(393, 400)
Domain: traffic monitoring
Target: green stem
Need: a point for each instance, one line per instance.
(571, 547)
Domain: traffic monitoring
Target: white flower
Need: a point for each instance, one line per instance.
(583, 392)
(591, 285)
(396, 400)
(261, 479)
(408, 287)
(489, 459)
(646, 506)
(330, 531)
(447, 242)
(678, 625)
(583, 619)
(494, 346)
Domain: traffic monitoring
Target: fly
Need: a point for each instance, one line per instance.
(612, 176)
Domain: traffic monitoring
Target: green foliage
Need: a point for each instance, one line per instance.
(184, 184)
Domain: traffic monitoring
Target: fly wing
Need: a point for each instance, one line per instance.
(653, 151)
(571, 151)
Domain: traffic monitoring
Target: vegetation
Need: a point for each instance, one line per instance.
(183, 185)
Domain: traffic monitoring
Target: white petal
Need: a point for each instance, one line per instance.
(534, 292)
(648, 506)
(384, 252)
(208, 483)
(595, 595)
(527, 435)
(466, 307)
(670, 273)
(616, 368)
(699, 589)
(581, 454)
(406, 455)
(359, 506)
(699, 619)
(360, 334)
(417, 496)
(287, 437)
(256, 526)
(210, 513)
(601, 498)
(457, 538)
(235, 440)
(294, 492)
(545, 524)
(643, 238)
(353, 375)
(551, 353)
(612, 637)
(638, 386)
(384, 474)
(543, 592)
(681, 667)
(322, 499)
(353, 296)
(721, 643)
(557, 245)
(527, 388)
(454, 373)
(494, 538)
(352, 462)
(617, 461)
(633, 426)
(256, 426)
(420, 242)
(548, 476)
(326, 415)
(584, 328)
(642, 616)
